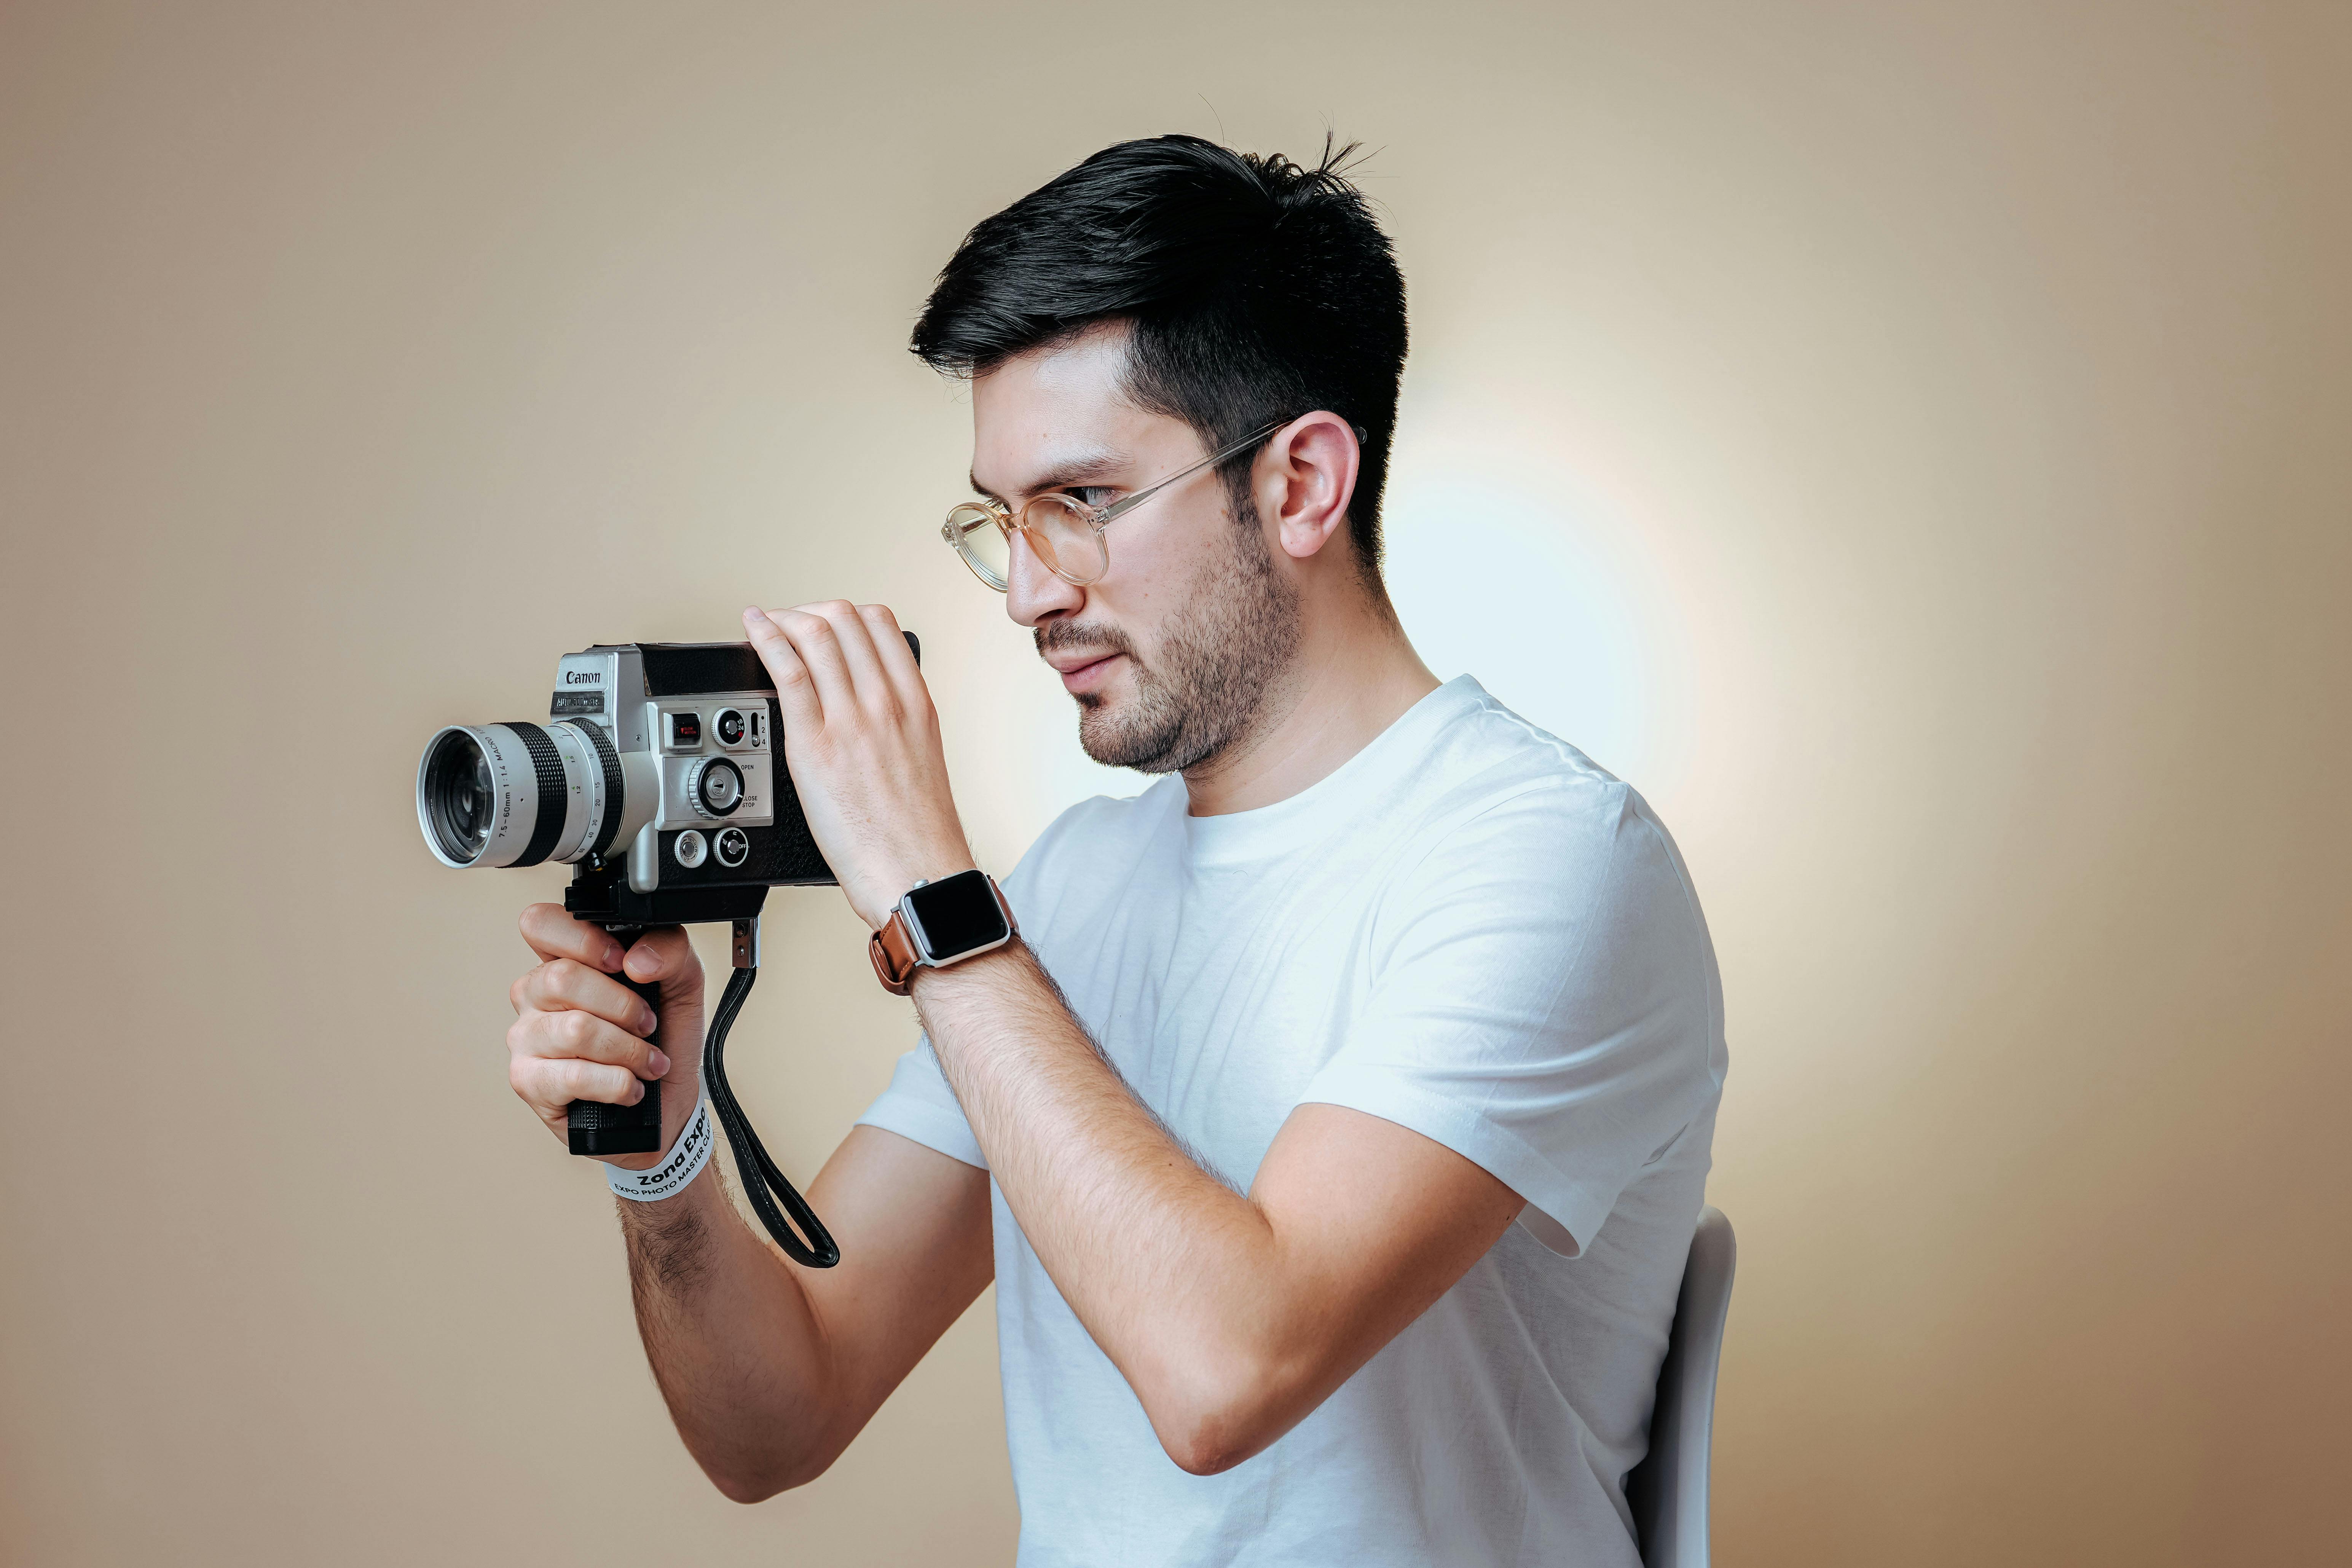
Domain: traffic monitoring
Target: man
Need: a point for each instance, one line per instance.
(1335, 1129)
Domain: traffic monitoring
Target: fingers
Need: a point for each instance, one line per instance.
(849, 654)
(870, 687)
(579, 957)
(580, 1033)
(567, 1010)
(813, 640)
(547, 1085)
(796, 688)
(664, 955)
(553, 933)
(898, 660)
(562, 984)
(568, 1035)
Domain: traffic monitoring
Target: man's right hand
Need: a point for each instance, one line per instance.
(580, 1033)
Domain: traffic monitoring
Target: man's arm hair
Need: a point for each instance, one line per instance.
(669, 1249)
(770, 1369)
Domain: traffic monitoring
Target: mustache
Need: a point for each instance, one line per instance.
(1062, 637)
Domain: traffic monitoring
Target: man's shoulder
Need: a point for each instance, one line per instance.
(1489, 763)
(1503, 801)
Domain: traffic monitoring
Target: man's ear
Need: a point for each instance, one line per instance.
(1305, 480)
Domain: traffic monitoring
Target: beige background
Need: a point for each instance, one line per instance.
(1912, 441)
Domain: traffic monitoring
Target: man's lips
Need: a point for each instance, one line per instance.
(1082, 669)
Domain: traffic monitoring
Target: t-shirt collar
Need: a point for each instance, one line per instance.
(1391, 756)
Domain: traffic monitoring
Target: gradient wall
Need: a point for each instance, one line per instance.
(1909, 443)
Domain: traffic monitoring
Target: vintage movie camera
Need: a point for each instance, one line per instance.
(659, 777)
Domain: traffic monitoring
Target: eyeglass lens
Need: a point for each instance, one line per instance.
(1065, 542)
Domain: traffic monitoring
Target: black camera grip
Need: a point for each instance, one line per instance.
(594, 1127)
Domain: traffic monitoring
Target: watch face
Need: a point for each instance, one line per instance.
(956, 914)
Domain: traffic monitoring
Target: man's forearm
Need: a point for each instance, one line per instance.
(1232, 1317)
(1172, 1272)
(733, 1341)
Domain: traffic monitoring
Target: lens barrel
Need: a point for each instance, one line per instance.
(519, 794)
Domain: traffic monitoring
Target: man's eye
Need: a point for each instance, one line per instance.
(1093, 495)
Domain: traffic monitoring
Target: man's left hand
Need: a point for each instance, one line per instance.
(862, 741)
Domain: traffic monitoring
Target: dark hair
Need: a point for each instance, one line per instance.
(1256, 290)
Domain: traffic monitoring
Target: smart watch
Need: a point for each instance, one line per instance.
(940, 924)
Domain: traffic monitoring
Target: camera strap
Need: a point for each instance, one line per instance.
(763, 1182)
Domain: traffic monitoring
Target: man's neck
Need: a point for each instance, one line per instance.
(1355, 674)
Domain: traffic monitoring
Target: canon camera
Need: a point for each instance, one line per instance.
(659, 772)
(659, 777)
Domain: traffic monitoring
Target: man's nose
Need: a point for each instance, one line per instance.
(1031, 592)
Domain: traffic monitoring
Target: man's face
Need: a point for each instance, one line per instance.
(1171, 654)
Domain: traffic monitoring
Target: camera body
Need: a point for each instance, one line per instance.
(659, 774)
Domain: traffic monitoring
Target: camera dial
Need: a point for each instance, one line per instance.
(733, 846)
(716, 786)
(728, 727)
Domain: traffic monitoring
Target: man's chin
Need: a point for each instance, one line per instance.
(1108, 732)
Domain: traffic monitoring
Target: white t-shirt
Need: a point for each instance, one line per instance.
(1469, 930)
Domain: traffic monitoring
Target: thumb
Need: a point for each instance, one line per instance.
(664, 957)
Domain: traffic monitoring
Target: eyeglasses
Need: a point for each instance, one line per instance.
(1066, 532)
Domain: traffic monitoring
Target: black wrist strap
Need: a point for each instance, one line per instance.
(765, 1185)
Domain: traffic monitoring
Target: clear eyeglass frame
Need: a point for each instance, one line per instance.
(1065, 534)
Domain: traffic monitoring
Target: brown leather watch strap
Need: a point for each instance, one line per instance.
(893, 952)
(895, 956)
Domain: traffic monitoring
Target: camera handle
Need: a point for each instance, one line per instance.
(764, 1183)
(593, 1127)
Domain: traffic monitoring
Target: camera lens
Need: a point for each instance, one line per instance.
(520, 793)
(460, 796)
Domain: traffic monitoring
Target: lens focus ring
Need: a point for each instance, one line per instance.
(549, 766)
(609, 762)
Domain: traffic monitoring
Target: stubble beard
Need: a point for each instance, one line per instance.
(1207, 686)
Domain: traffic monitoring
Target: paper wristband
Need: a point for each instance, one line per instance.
(686, 1159)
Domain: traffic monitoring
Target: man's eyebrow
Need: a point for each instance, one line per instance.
(1079, 469)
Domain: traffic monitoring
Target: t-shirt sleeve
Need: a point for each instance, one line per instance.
(1543, 1001)
(919, 1105)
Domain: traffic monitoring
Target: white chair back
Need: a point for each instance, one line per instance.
(1667, 1490)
